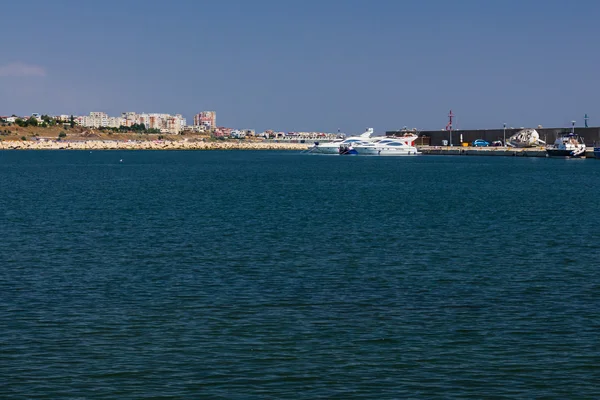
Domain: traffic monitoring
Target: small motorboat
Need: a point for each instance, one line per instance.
(568, 145)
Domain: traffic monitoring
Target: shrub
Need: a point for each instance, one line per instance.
(23, 138)
(62, 135)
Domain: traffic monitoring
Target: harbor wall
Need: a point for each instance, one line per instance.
(590, 135)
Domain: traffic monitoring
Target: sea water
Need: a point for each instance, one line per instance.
(256, 275)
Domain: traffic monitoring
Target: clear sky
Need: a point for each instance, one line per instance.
(307, 65)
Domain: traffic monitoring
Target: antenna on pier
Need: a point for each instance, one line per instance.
(586, 120)
(449, 125)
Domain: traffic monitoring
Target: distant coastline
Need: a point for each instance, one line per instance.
(147, 145)
(78, 138)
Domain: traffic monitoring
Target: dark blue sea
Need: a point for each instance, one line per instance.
(278, 275)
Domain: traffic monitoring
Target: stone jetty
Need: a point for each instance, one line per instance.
(147, 145)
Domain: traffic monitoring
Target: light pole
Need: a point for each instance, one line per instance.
(449, 126)
(505, 134)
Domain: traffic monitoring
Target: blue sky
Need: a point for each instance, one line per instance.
(315, 65)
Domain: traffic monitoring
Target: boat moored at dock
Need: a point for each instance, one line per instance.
(389, 146)
(569, 145)
(335, 146)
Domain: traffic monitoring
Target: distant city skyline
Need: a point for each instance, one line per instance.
(307, 66)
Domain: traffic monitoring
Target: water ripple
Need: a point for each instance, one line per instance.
(265, 275)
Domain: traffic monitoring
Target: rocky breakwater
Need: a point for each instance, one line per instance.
(147, 145)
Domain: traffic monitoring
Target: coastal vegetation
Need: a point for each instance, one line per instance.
(51, 129)
(44, 122)
(136, 128)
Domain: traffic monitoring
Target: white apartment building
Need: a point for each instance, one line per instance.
(94, 120)
(172, 125)
(164, 122)
(116, 122)
(129, 118)
(182, 121)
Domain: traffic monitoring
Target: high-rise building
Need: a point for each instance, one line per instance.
(206, 118)
(95, 120)
(173, 124)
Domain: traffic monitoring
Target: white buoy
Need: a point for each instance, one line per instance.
(121, 160)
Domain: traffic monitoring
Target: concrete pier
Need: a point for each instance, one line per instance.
(490, 151)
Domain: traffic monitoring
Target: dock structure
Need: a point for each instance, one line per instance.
(457, 137)
(489, 151)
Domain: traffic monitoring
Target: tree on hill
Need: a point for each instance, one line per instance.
(31, 121)
(48, 120)
(72, 122)
(138, 127)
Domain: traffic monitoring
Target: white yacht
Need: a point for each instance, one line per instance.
(334, 147)
(569, 145)
(389, 146)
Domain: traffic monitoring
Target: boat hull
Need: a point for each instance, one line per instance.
(563, 153)
(597, 153)
(346, 150)
(386, 152)
(325, 149)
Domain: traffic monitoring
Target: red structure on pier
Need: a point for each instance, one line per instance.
(449, 124)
